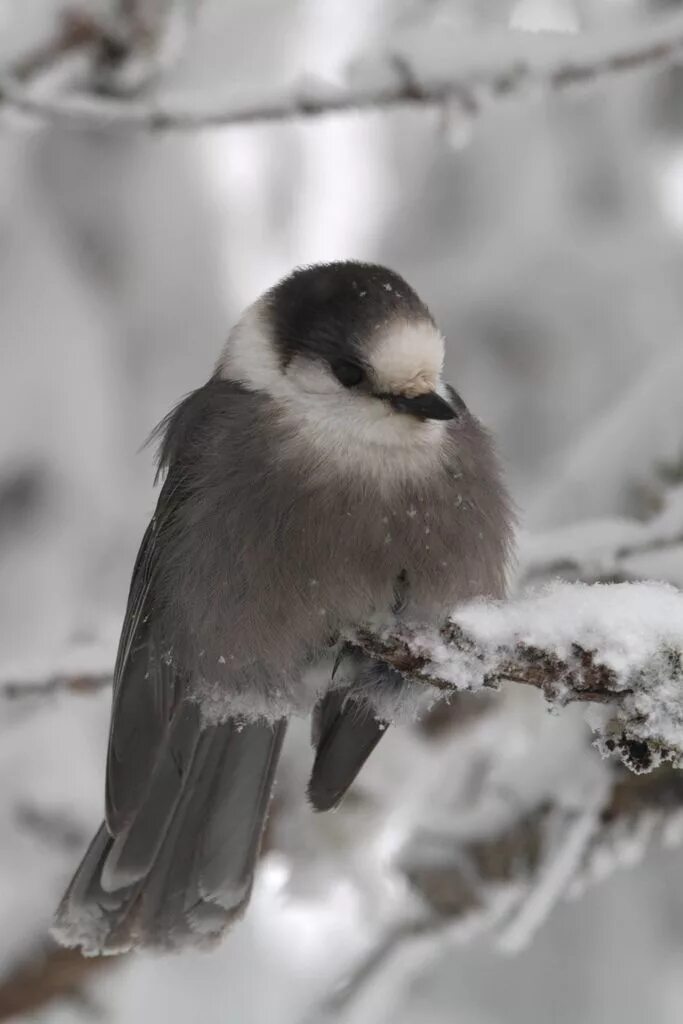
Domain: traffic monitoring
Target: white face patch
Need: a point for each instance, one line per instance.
(407, 358)
(346, 427)
(248, 355)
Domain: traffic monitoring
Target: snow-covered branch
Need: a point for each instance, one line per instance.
(618, 645)
(615, 646)
(462, 75)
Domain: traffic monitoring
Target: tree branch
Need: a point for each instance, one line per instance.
(468, 879)
(48, 974)
(75, 32)
(81, 683)
(618, 645)
(347, 1004)
(396, 80)
(127, 50)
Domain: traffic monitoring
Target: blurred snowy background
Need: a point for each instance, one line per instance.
(546, 233)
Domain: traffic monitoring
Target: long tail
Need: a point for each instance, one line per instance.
(183, 868)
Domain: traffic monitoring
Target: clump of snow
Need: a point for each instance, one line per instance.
(625, 625)
(617, 641)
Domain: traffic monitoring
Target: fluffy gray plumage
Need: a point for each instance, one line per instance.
(306, 490)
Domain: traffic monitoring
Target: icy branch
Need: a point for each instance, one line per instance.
(465, 75)
(618, 645)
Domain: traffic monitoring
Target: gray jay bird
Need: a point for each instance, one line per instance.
(325, 476)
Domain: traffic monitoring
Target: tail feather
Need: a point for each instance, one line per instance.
(243, 787)
(197, 835)
(89, 916)
(135, 848)
(347, 731)
(170, 890)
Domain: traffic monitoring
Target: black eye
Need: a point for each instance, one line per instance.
(348, 373)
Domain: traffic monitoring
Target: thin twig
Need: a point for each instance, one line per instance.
(469, 881)
(343, 1002)
(466, 89)
(149, 40)
(48, 974)
(75, 32)
(463, 880)
(62, 683)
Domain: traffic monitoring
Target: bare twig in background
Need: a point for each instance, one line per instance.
(127, 51)
(470, 88)
(465, 881)
(145, 39)
(76, 31)
(345, 1003)
(602, 550)
(488, 880)
(55, 829)
(85, 683)
(45, 975)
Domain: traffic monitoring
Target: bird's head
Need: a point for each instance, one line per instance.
(351, 354)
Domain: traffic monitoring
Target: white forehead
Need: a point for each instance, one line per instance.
(407, 357)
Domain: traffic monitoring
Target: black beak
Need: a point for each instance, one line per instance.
(429, 406)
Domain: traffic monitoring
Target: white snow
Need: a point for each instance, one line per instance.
(625, 625)
(633, 631)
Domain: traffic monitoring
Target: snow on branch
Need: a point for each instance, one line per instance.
(426, 69)
(615, 645)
